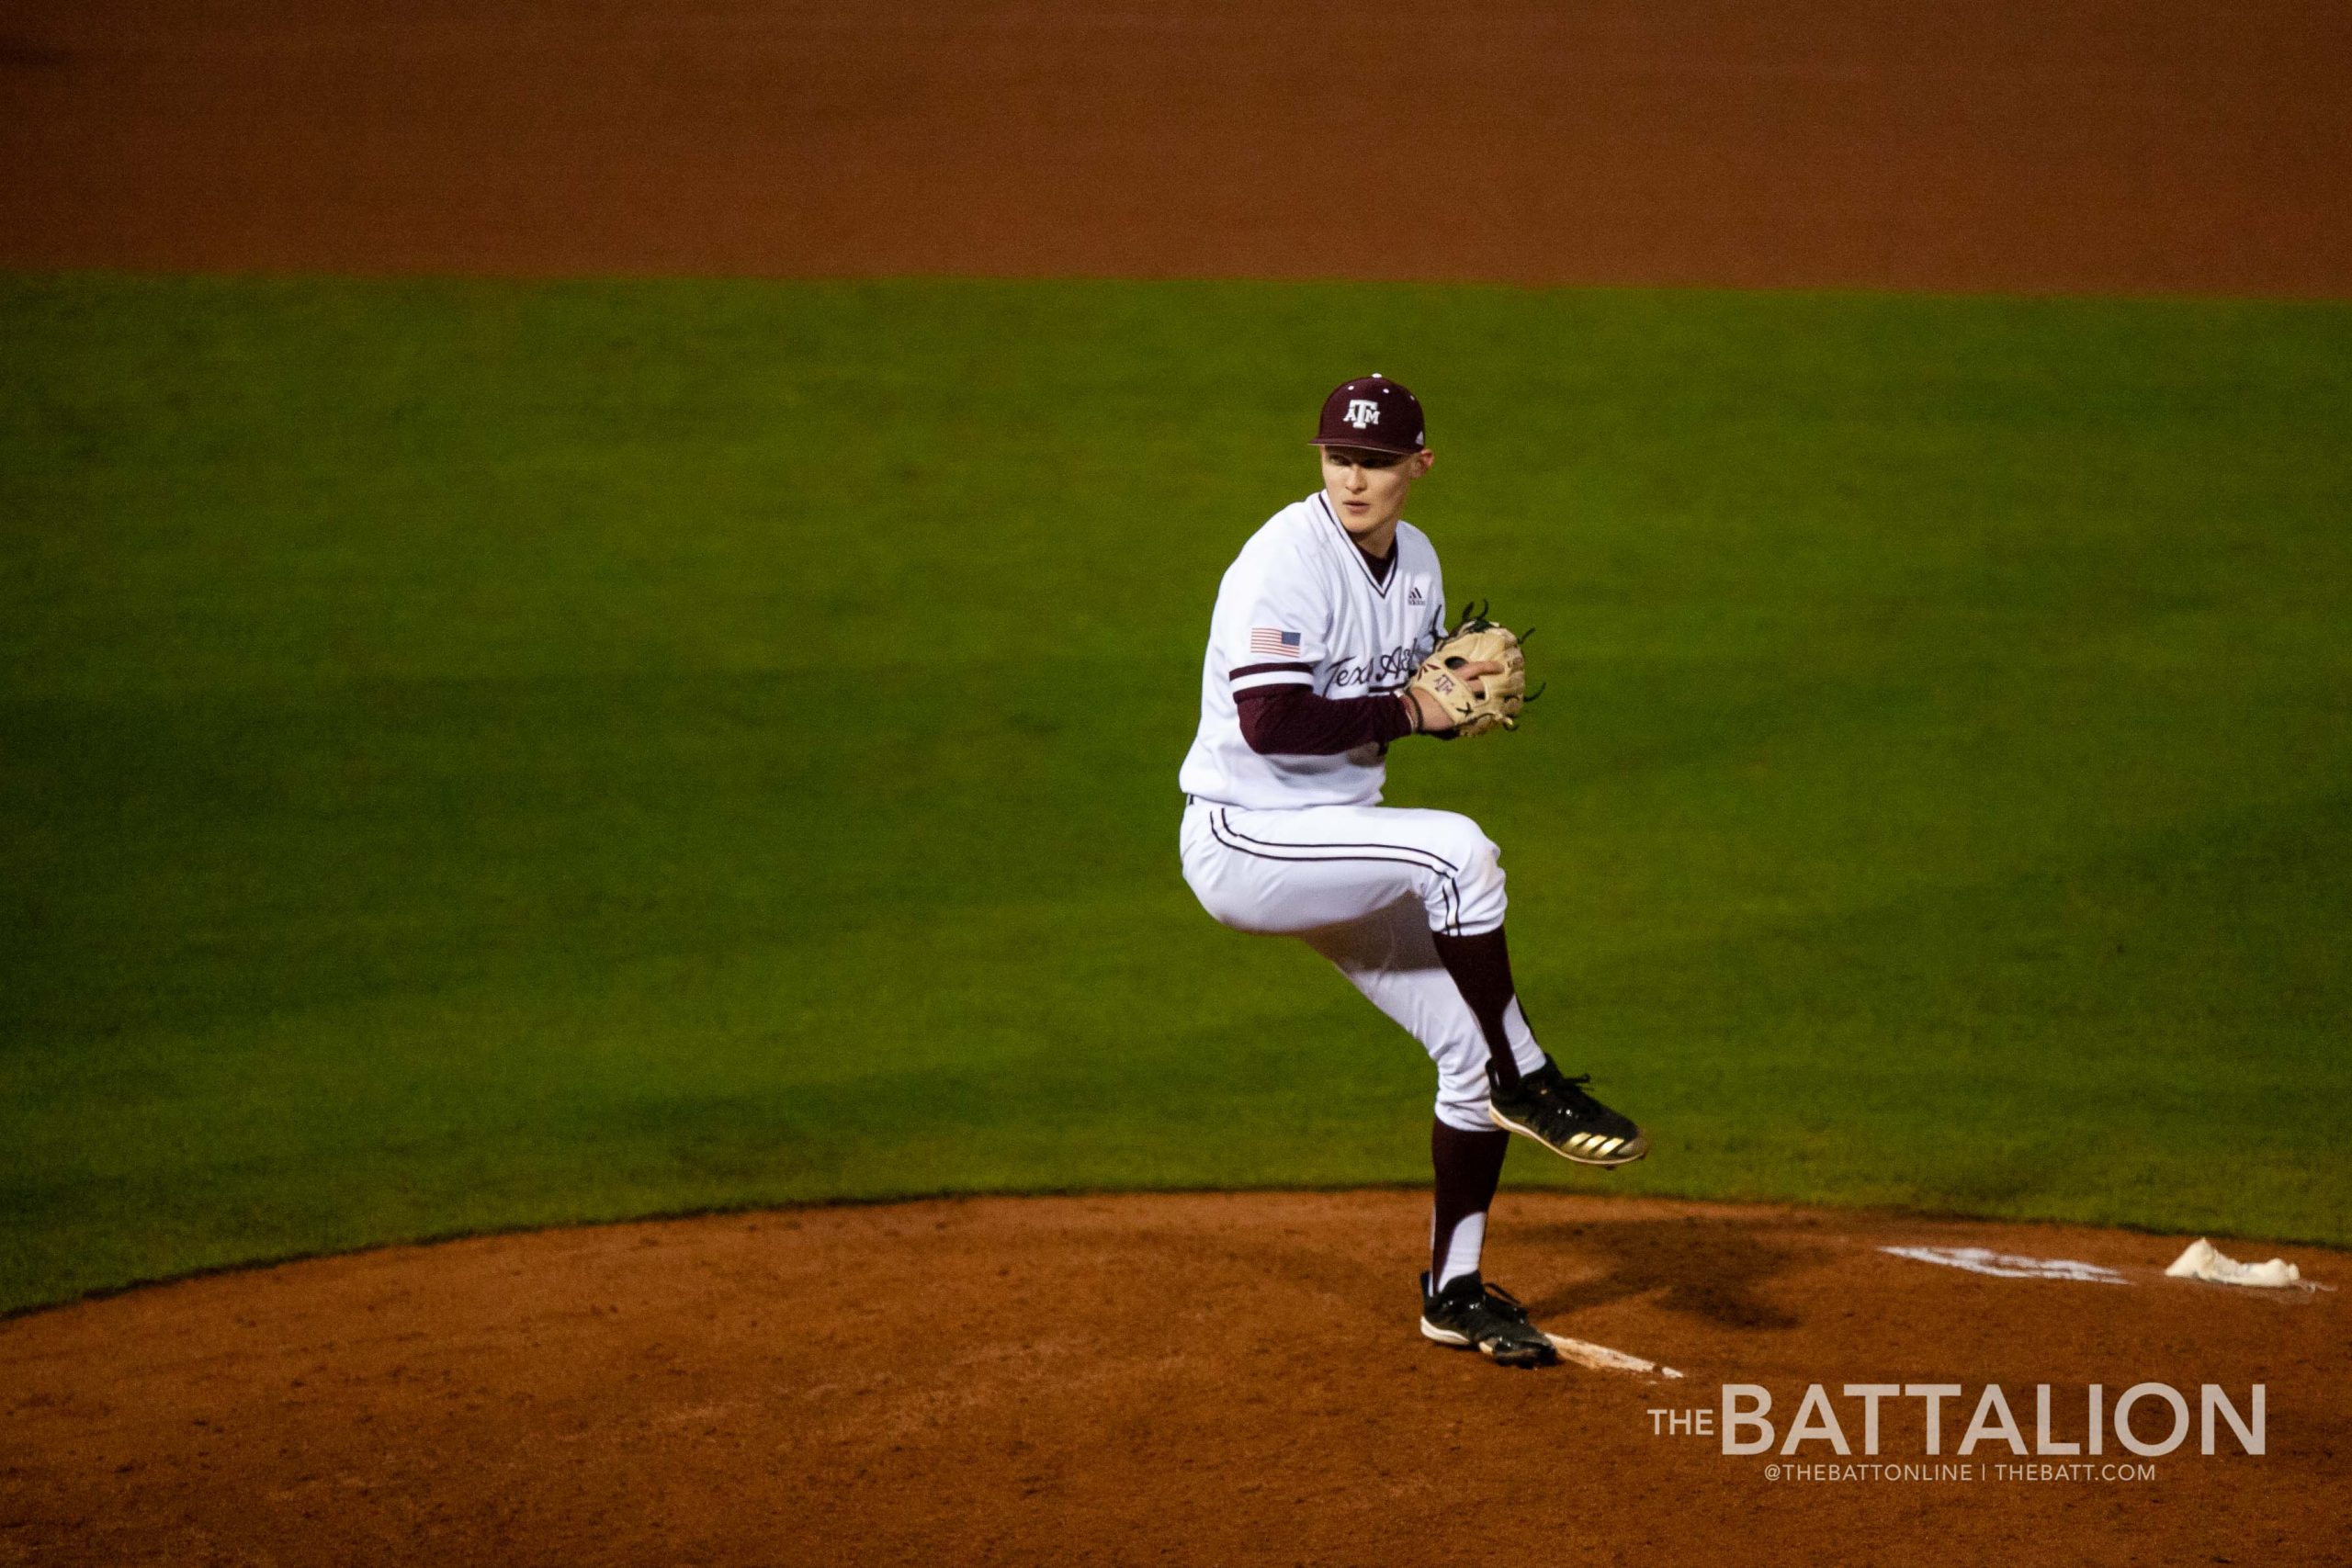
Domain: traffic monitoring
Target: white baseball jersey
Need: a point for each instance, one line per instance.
(1300, 606)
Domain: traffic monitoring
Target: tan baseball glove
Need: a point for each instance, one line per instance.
(1482, 703)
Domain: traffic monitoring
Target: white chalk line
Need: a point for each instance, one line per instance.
(2011, 1265)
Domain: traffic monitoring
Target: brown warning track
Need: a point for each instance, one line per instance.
(2098, 145)
(1192, 1379)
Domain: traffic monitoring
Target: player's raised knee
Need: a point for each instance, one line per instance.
(1477, 880)
(1461, 842)
(1477, 859)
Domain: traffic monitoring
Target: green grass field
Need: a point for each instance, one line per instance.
(478, 755)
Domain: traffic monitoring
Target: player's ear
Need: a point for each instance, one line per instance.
(1422, 461)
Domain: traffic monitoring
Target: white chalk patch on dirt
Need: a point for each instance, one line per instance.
(2011, 1265)
(1584, 1352)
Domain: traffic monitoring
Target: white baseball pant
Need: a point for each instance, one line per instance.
(1364, 885)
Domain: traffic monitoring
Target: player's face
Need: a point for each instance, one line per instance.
(1367, 489)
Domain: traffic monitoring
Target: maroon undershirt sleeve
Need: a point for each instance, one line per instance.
(1292, 721)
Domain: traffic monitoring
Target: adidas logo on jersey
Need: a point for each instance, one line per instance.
(1415, 596)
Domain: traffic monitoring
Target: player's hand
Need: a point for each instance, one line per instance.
(1477, 676)
(1429, 714)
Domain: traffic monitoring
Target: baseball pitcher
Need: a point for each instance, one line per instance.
(1328, 643)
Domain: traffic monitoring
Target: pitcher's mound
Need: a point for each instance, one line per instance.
(1227, 1378)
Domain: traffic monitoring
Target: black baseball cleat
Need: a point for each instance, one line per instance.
(1473, 1316)
(1552, 1109)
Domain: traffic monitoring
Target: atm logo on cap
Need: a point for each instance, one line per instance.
(1362, 412)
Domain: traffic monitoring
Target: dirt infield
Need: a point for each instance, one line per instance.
(1194, 1380)
(2146, 145)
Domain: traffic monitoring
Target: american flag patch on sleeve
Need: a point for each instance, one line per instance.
(1274, 643)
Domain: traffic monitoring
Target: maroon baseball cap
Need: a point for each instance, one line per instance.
(1374, 413)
